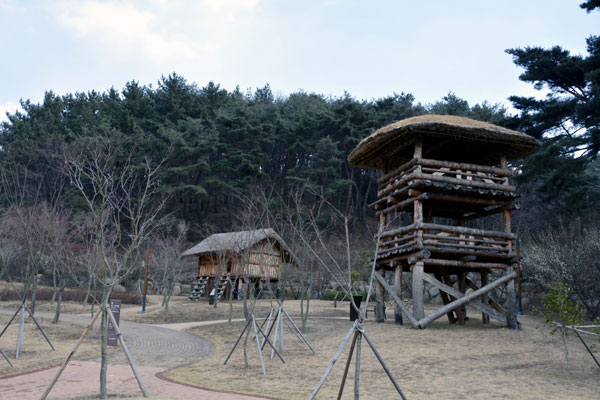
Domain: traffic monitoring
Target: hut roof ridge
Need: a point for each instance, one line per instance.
(234, 241)
(445, 127)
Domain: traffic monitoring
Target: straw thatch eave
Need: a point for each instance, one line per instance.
(445, 137)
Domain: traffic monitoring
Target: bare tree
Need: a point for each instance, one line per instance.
(166, 263)
(120, 198)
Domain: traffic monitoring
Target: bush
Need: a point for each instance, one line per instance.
(330, 295)
(75, 295)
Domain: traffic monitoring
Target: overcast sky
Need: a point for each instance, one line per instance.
(368, 48)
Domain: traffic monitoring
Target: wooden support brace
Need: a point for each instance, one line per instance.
(463, 299)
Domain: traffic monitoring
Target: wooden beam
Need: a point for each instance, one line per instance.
(485, 318)
(398, 290)
(417, 290)
(379, 302)
(463, 299)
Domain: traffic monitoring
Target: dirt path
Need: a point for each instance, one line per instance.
(154, 349)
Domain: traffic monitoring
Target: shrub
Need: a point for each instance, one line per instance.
(75, 295)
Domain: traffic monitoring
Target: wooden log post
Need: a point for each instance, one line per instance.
(462, 288)
(417, 290)
(511, 302)
(380, 300)
(398, 290)
(485, 298)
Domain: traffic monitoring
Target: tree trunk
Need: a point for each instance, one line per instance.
(104, 336)
(33, 293)
(58, 303)
(54, 286)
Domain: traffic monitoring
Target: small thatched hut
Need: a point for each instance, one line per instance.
(229, 259)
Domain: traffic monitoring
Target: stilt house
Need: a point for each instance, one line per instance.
(440, 175)
(227, 260)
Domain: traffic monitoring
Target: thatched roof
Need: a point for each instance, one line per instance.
(237, 242)
(445, 137)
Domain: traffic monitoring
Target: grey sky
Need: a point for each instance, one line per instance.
(370, 49)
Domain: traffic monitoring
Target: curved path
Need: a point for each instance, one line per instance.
(154, 349)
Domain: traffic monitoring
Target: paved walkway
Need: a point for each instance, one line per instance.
(154, 349)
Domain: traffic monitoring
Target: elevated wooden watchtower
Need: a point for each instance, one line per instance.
(446, 172)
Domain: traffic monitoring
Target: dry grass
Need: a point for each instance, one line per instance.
(183, 310)
(35, 351)
(442, 361)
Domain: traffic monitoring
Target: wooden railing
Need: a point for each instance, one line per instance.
(447, 240)
(473, 175)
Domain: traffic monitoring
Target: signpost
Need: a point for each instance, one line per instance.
(115, 307)
(146, 274)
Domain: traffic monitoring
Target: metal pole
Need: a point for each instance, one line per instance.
(146, 275)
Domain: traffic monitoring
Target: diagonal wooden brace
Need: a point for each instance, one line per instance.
(400, 303)
(461, 299)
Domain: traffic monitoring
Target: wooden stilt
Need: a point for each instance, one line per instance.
(511, 303)
(462, 288)
(417, 289)
(485, 318)
(380, 301)
(398, 290)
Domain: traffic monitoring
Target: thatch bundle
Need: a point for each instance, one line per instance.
(445, 137)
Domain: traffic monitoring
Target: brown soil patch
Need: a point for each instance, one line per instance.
(442, 361)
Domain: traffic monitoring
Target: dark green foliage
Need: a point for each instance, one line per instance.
(557, 307)
(567, 120)
(216, 144)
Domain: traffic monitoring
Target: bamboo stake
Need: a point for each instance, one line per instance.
(262, 362)
(126, 351)
(20, 337)
(348, 361)
(271, 344)
(586, 347)
(298, 330)
(237, 341)
(333, 361)
(385, 368)
(6, 358)
(64, 364)
(39, 327)
(357, 368)
(10, 321)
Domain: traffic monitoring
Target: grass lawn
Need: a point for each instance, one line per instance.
(442, 361)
